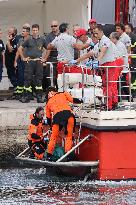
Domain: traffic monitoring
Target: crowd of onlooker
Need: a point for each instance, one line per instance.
(25, 55)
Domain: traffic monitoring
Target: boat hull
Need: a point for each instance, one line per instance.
(115, 151)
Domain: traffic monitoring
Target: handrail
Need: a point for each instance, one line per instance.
(83, 67)
(73, 148)
(51, 72)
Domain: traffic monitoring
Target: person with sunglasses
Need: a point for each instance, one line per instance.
(51, 55)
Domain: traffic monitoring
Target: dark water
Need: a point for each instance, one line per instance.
(36, 186)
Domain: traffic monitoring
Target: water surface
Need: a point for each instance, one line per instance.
(36, 186)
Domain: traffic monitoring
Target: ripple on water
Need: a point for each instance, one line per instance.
(36, 186)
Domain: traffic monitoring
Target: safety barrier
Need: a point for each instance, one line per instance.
(51, 72)
(104, 97)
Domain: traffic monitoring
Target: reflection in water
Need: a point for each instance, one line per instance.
(36, 186)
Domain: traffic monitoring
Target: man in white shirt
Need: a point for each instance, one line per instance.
(124, 38)
(65, 45)
(121, 53)
(104, 51)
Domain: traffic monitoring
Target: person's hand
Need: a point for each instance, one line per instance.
(91, 45)
(95, 64)
(89, 63)
(72, 62)
(15, 64)
(10, 37)
(42, 60)
(26, 59)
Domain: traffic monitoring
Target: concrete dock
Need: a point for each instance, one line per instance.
(14, 120)
(14, 114)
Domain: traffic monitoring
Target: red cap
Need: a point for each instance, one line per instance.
(93, 20)
(80, 32)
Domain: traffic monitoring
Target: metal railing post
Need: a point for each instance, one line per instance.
(63, 78)
(107, 70)
(51, 72)
(83, 82)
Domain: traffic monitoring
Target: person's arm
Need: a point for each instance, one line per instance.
(47, 54)
(129, 49)
(20, 50)
(48, 115)
(16, 58)
(71, 99)
(10, 48)
(68, 97)
(3, 58)
(50, 46)
(102, 53)
(81, 46)
(33, 130)
(85, 56)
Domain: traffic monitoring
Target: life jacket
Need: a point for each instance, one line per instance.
(35, 129)
(38, 151)
(59, 102)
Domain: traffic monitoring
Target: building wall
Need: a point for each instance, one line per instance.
(104, 11)
(17, 12)
(71, 11)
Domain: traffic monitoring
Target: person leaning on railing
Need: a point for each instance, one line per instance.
(104, 52)
(122, 61)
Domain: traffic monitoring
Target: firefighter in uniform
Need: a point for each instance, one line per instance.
(35, 137)
(33, 64)
(59, 113)
(19, 64)
(10, 53)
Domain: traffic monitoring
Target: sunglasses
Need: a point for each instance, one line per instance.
(54, 26)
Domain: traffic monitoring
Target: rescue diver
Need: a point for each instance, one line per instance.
(59, 114)
(35, 137)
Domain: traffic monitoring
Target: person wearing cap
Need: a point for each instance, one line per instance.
(81, 34)
(65, 45)
(92, 25)
(105, 53)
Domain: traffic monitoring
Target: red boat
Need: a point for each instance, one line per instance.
(104, 141)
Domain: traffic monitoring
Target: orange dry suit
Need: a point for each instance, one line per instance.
(58, 107)
(35, 137)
